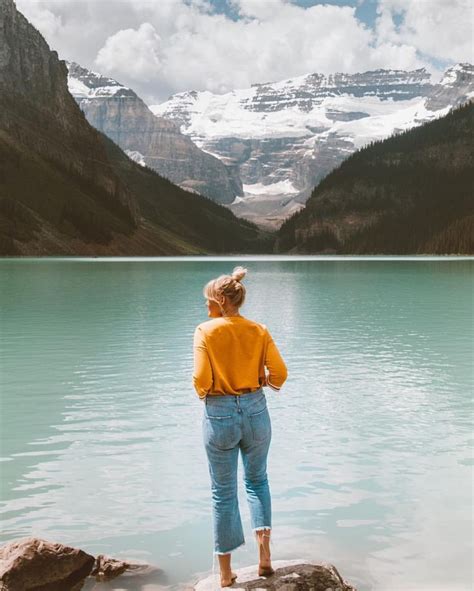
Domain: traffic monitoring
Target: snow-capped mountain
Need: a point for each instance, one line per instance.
(285, 136)
(455, 88)
(149, 140)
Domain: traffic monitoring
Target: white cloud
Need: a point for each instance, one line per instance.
(260, 9)
(168, 46)
(442, 29)
(45, 20)
(132, 51)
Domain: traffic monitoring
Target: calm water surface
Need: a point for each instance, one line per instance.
(370, 466)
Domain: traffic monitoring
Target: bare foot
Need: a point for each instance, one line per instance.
(264, 564)
(226, 581)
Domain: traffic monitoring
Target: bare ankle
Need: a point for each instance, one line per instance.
(263, 541)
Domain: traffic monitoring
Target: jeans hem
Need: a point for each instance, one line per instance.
(229, 551)
(261, 528)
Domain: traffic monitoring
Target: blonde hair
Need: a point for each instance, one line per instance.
(229, 286)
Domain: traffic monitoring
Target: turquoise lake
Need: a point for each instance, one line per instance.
(370, 466)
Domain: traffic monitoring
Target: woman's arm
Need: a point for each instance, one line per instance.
(278, 371)
(202, 374)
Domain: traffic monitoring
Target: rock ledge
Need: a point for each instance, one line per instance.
(290, 575)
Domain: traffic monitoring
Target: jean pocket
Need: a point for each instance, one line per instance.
(221, 432)
(217, 416)
(261, 425)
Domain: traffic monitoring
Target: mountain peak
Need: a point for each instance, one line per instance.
(460, 72)
(85, 83)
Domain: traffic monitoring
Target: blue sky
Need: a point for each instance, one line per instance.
(365, 9)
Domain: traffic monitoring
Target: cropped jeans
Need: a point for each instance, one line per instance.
(231, 423)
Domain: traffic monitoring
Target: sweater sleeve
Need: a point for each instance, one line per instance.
(202, 374)
(276, 366)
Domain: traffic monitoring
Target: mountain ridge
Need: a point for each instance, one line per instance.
(297, 130)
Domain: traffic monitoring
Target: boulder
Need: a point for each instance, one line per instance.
(290, 575)
(34, 564)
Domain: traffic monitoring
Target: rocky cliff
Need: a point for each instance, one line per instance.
(153, 141)
(38, 112)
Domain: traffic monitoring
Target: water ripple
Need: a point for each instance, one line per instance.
(371, 459)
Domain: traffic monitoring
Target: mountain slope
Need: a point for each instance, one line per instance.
(119, 113)
(411, 193)
(66, 189)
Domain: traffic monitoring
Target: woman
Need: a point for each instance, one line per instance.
(230, 356)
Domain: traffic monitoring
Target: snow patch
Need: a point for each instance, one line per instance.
(136, 157)
(105, 91)
(451, 75)
(211, 117)
(80, 90)
(280, 188)
(77, 88)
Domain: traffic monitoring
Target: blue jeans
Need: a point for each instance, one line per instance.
(232, 423)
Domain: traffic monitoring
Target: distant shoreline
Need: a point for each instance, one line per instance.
(247, 257)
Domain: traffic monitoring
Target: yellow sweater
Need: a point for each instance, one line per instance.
(230, 356)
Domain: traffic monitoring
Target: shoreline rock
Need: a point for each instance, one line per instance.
(31, 564)
(35, 564)
(290, 575)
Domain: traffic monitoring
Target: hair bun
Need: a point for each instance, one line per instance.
(238, 273)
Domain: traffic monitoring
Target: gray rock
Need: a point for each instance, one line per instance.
(290, 575)
(106, 568)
